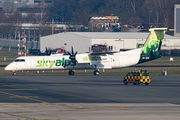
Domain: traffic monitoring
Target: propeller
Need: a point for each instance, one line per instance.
(72, 57)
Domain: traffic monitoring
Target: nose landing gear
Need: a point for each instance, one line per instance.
(13, 73)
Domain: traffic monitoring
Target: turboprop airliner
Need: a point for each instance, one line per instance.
(96, 61)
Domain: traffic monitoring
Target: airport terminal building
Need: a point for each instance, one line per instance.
(115, 41)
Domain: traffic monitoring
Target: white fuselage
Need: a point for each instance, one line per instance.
(84, 61)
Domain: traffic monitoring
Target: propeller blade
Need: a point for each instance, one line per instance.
(72, 50)
(50, 52)
(75, 53)
(72, 57)
(46, 50)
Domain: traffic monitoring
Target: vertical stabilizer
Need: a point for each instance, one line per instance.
(154, 41)
(151, 47)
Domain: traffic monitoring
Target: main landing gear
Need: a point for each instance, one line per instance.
(96, 72)
(72, 57)
(71, 72)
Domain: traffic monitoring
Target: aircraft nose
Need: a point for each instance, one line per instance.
(8, 67)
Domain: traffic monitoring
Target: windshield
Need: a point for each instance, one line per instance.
(19, 60)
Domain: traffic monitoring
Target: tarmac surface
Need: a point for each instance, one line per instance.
(88, 98)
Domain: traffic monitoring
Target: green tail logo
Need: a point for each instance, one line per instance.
(151, 48)
(153, 43)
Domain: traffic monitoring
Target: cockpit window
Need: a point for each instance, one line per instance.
(19, 60)
(22, 60)
(16, 60)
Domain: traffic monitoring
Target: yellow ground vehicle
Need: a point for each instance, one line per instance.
(145, 78)
(137, 77)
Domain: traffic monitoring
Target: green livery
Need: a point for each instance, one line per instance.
(92, 58)
(151, 48)
(50, 63)
(62, 62)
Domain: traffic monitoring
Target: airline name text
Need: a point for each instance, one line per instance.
(50, 63)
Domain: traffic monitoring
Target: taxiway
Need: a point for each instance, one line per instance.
(88, 97)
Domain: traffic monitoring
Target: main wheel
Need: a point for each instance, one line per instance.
(71, 72)
(96, 72)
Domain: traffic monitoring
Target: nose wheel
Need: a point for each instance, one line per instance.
(13, 73)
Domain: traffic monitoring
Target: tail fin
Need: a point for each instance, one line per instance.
(153, 43)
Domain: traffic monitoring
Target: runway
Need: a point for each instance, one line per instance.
(82, 97)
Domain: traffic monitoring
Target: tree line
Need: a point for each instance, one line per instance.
(78, 12)
(130, 11)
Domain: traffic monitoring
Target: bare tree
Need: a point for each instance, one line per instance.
(16, 23)
(10, 19)
(41, 15)
(9, 7)
(162, 11)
